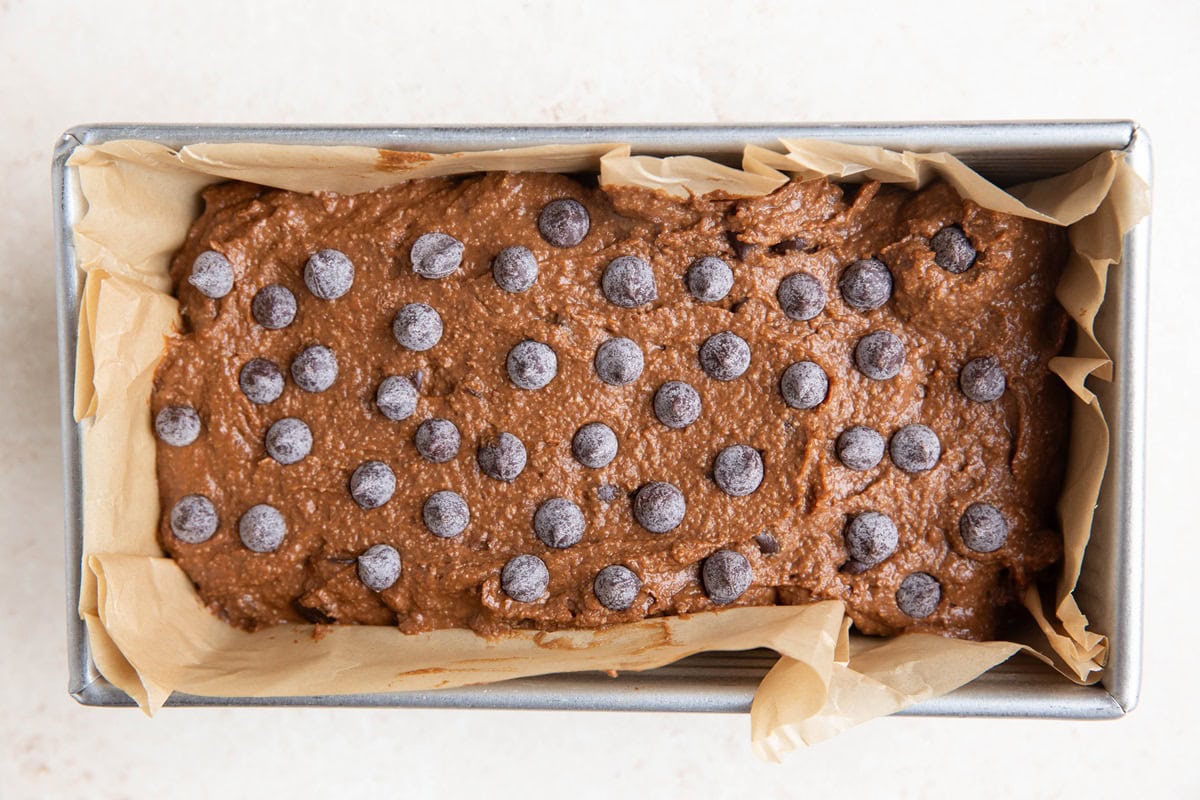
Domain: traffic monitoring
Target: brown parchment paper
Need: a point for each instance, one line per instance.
(150, 634)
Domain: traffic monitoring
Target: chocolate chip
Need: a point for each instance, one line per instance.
(417, 327)
(289, 440)
(564, 222)
(194, 519)
(315, 369)
(619, 361)
(379, 567)
(860, 447)
(446, 514)
(274, 307)
(396, 397)
(952, 250)
(795, 245)
(261, 381)
(503, 458)
(435, 255)
(726, 575)
(628, 282)
(525, 578)
(866, 284)
(515, 269)
(437, 440)
(804, 385)
(709, 279)
(328, 274)
(919, 595)
(262, 528)
(676, 404)
(740, 249)
(616, 587)
(177, 426)
(738, 470)
(871, 537)
(212, 274)
(532, 365)
(724, 356)
(768, 545)
(801, 296)
(372, 484)
(982, 379)
(983, 528)
(594, 445)
(606, 492)
(659, 507)
(879, 355)
(558, 523)
(915, 448)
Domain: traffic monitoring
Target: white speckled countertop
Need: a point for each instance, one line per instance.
(381, 62)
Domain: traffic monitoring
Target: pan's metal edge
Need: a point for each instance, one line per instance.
(660, 690)
(1122, 676)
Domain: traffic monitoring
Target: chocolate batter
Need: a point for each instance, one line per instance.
(513, 514)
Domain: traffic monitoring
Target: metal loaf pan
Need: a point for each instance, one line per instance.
(1110, 588)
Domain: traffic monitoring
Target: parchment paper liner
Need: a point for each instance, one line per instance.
(150, 634)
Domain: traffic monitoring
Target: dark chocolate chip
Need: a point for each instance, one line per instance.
(315, 369)
(532, 365)
(558, 523)
(606, 492)
(919, 595)
(194, 519)
(525, 578)
(726, 575)
(177, 426)
(915, 448)
(261, 381)
(709, 279)
(628, 282)
(740, 249)
(952, 250)
(659, 507)
(262, 528)
(594, 445)
(853, 567)
(417, 327)
(564, 222)
(446, 514)
(396, 397)
(619, 361)
(502, 458)
(879, 355)
(437, 440)
(804, 385)
(982, 379)
(724, 356)
(372, 484)
(616, 587)
(676, 404)
(738, 470)
(796, 244)
(212, 274)
(768, 545)
(435, 255)
(379, 567)
(860, 447)
(274, 307)
(871, 537)
(515, 269)
(983, 528)
(289, 440)
(866, 284)
(328, 274)
(801, 296)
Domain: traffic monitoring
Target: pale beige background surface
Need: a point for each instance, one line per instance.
(62, 64)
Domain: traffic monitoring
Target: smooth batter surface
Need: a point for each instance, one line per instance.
(1007, 452)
